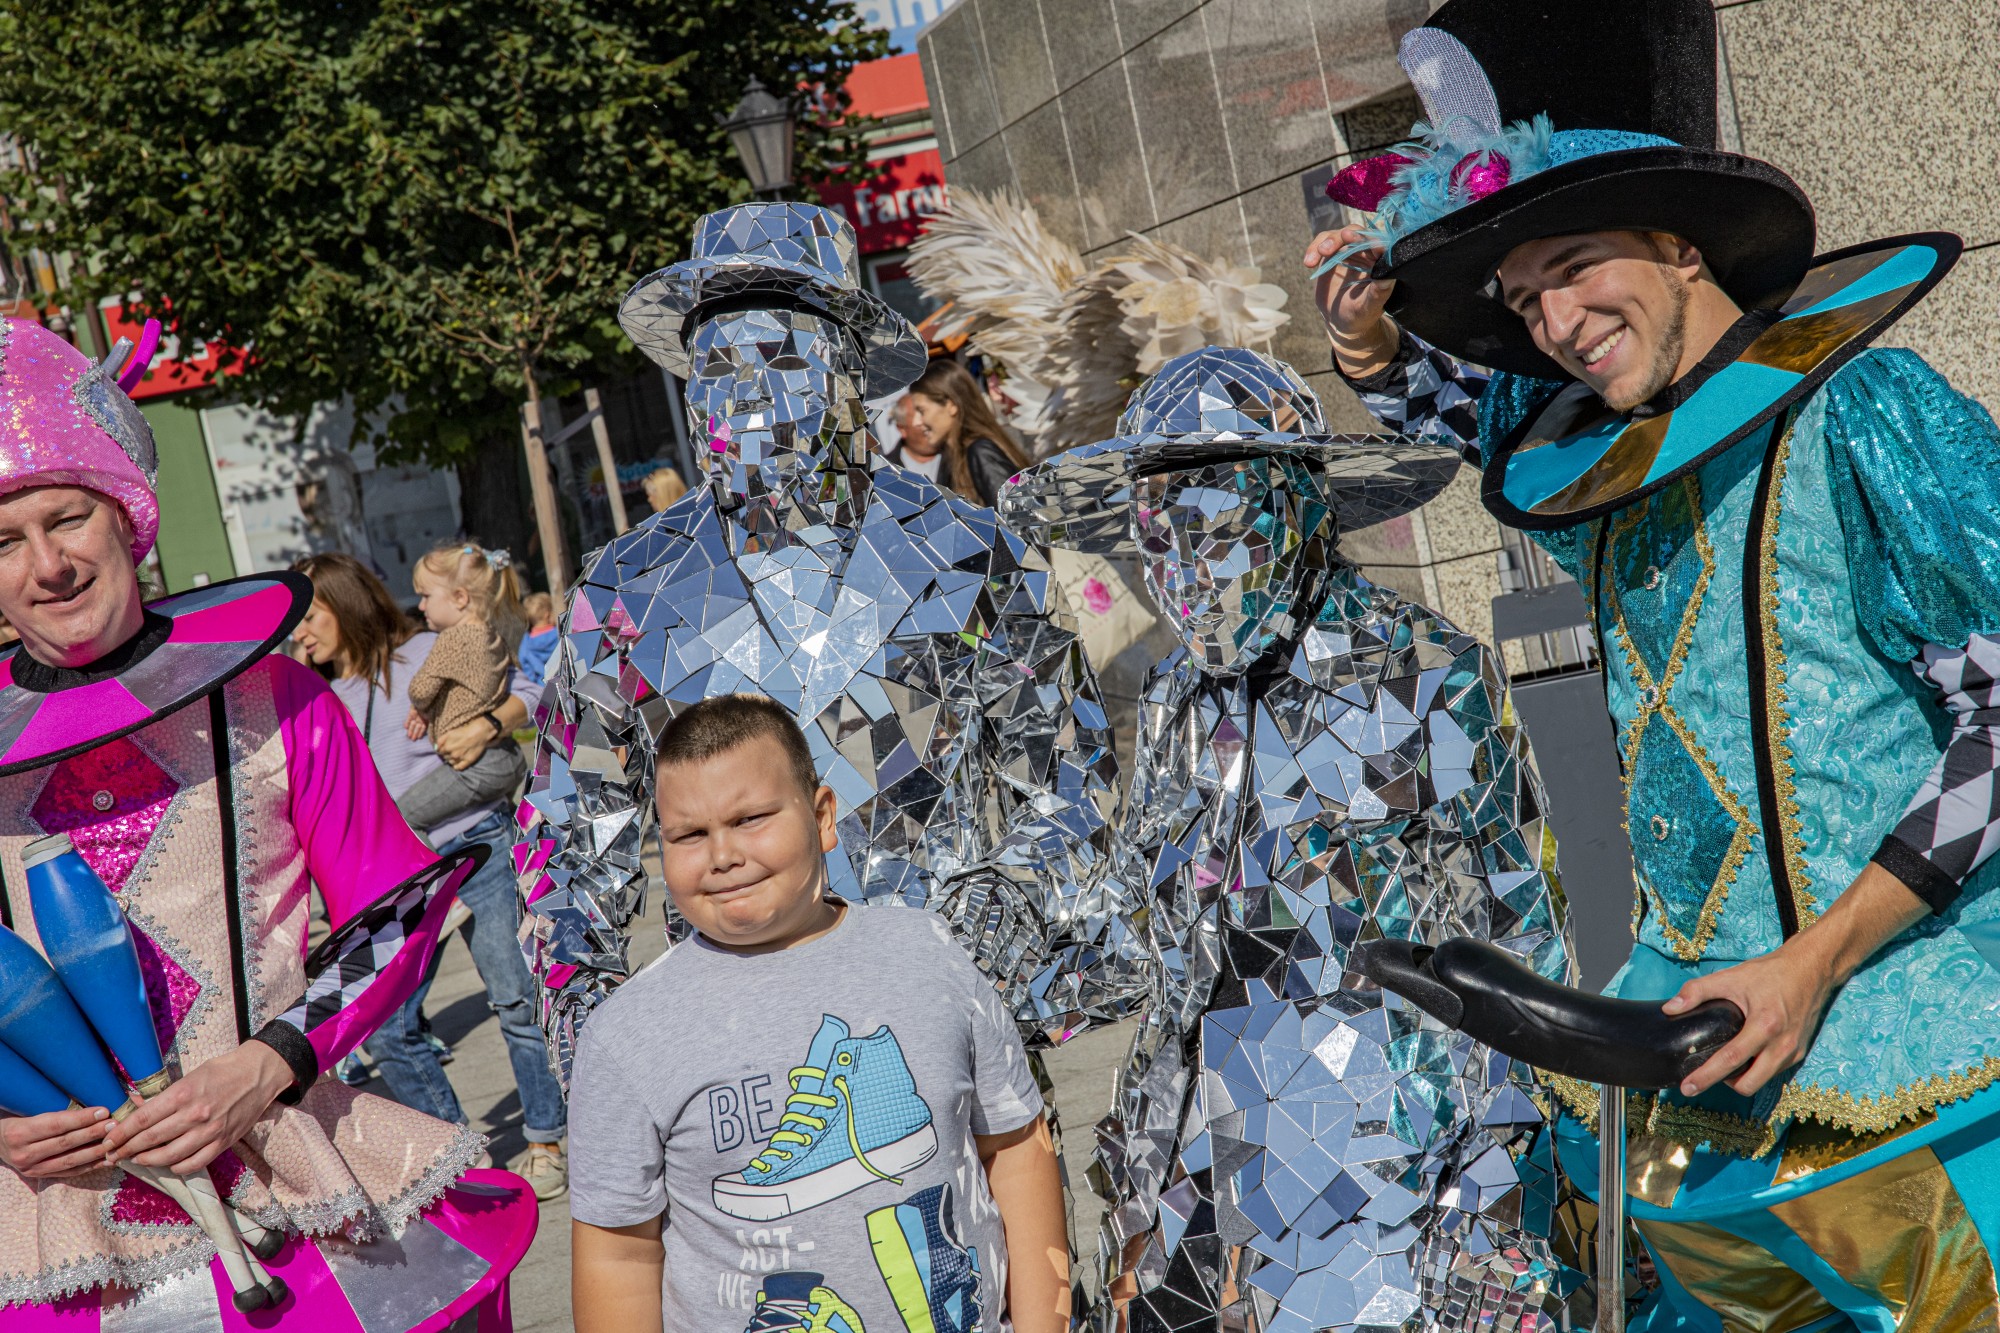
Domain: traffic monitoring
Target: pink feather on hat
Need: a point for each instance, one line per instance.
(1365, 184)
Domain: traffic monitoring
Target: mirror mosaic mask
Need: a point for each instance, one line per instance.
(777, 392)
(1234, 552)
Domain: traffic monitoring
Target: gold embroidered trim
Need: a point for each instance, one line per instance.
(1695, 1126)
(1868, 1115)
(1790, 831)
(1687, 948)
(1600, 544)
(1676, 1122)
(1739, 1136)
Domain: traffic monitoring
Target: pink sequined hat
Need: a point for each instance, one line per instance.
(65, 420)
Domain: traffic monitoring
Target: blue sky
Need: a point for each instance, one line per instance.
(903, 18)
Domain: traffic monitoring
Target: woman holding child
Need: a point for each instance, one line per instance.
(355, 635)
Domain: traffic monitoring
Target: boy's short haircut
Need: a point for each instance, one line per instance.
(726, 721)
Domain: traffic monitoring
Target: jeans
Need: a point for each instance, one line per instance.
(405, 1060)
(446, 791)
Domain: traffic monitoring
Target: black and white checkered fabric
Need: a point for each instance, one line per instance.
(1953, 825)
(350, 960)
(1427, 393)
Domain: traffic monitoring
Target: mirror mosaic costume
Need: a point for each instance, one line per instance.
(211, 785)
(1793, 559)
(947, 704)
(923, 647)
(1321, 762)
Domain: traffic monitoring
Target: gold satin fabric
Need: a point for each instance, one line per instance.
(1898, 1232)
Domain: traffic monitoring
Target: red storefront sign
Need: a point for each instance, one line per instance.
(175, 368)
(889, 208)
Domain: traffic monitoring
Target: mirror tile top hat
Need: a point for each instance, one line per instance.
(784, 256)
(1211, 404)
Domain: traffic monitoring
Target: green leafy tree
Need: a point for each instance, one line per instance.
(432, 205)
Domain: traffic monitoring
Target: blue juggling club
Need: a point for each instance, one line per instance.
(89, 943)
(23, 1089)
(41, 1022)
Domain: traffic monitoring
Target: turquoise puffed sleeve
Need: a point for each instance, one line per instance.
(1916, 479)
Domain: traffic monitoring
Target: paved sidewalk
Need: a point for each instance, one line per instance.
(1083, 1071)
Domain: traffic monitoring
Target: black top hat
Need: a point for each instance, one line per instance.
(1628, 89)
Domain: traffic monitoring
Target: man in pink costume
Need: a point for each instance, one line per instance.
(211, 784)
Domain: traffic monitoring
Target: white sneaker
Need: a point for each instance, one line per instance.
(456, 917)
(546, 1169)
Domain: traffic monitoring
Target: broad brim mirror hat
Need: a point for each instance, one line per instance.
(761, 256)
(1209, 405)
(1554, 117)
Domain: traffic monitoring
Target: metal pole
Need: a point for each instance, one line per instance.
(1610, 1210)
(547, 525)
(602, 434)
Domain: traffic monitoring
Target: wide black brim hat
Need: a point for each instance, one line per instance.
(1628, 89)
(1753, 226)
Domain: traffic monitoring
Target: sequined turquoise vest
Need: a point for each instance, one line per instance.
(1757, 620)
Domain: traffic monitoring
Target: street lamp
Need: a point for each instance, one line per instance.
(762, 128)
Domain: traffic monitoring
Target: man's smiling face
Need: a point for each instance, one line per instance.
(67, 581)
(1609, 307)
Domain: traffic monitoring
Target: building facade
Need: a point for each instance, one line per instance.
(905, 186)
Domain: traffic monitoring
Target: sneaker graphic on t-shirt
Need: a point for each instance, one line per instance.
(801, 1303)
(853, 1118)
(933, 1279)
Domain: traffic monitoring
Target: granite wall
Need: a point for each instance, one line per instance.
(1888, 113)
(1209, 122)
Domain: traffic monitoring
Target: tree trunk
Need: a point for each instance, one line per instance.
(493, 502)
(541, 486)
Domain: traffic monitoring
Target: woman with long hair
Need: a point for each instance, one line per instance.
(353, 628)
(356, 636)
(969, 450)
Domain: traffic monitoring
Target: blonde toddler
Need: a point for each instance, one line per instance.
(472, 599)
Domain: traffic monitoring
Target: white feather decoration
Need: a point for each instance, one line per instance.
(1176, 303)
(1075, 342)
(1092, 364)
(1451, 83)
(1005, 276)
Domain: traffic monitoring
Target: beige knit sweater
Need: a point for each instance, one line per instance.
(464, 676)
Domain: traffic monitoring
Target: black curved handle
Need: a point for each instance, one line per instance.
(1490, 995)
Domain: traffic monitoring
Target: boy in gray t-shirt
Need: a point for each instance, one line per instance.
(805, 1117)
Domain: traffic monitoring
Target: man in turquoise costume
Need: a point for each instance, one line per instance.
(1791, 548)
